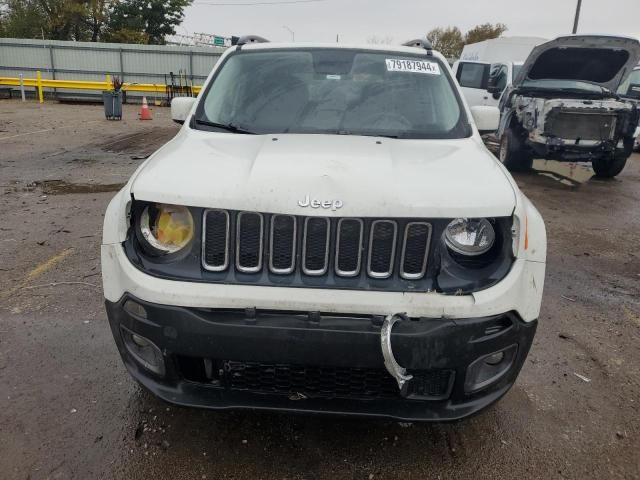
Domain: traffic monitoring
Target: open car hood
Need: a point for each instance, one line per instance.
(599, 59)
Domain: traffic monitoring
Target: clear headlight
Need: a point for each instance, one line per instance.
(167, 228)
(470, 236)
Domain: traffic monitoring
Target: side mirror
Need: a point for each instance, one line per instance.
(492, 88)
(180, 108)
(487, 119)
(496, 79)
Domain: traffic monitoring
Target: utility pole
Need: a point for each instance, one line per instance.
(293, 34)
(577, 17)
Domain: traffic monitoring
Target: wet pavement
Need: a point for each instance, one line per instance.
(68, 409)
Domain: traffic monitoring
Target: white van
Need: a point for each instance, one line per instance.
(483, 83)
(486, 68)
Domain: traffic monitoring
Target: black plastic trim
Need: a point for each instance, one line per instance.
(445, 272)
(322, 339)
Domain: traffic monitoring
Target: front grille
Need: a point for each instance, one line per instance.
(315, 246)
(313, 381)
(583, 125)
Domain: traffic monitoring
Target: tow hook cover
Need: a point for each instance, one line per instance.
(390, 363)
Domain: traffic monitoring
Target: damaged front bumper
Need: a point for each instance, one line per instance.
(446, 368)
(577, 129)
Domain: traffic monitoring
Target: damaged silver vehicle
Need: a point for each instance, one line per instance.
(630, 89)
(563, 105)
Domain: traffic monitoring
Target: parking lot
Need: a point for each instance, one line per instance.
(68, 408)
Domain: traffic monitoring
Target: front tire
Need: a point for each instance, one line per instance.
(513, 154)
(609, 167)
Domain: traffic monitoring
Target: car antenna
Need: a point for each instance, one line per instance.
(420, 43)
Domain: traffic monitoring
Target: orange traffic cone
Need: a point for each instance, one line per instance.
(145, 112)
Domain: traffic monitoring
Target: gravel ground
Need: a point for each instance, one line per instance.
(68, 409)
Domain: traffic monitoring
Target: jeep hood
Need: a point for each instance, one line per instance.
(599, 59)
(370, 177)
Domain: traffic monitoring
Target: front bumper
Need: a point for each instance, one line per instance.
(281, 349)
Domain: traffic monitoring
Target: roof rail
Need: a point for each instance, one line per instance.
(419, 43)
(246, 39)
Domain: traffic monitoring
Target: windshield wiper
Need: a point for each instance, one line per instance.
(228, 127)
(363, 134)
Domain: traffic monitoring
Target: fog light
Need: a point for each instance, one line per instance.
(144, 351)
(140, 341)
(134, 308)
(494, 359)
(488, 369)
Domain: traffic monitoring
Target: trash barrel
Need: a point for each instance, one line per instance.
(112, 104)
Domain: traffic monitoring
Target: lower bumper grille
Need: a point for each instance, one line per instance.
(310, 381)
(314, 382)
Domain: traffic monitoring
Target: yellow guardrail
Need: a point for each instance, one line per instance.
(40, 83)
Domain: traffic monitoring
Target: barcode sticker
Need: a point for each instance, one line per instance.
(412, 66)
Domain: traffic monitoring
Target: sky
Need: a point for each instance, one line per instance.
(357, 21)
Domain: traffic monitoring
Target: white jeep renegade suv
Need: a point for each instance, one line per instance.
(326, 233)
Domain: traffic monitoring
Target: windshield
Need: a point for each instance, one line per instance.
(626, 87)
(516, 70)
(333, 91)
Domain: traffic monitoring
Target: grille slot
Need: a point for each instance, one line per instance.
(282, 244)
(215, 247)
(349, 246)
(315, 246)
(415, 250)
(382, 248)
(249, 237)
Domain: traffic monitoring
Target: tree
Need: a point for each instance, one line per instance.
(53, 19)
(148, 21)
(21, 19)
(97, 17)
(448, 41)
(132, 21)
(63, 18)
(485, 31)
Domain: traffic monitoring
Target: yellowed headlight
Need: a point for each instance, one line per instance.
(167, 228)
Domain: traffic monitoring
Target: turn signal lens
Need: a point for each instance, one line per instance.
(167, 228)
(470, 236)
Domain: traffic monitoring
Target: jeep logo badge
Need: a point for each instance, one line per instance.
(315, 203)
